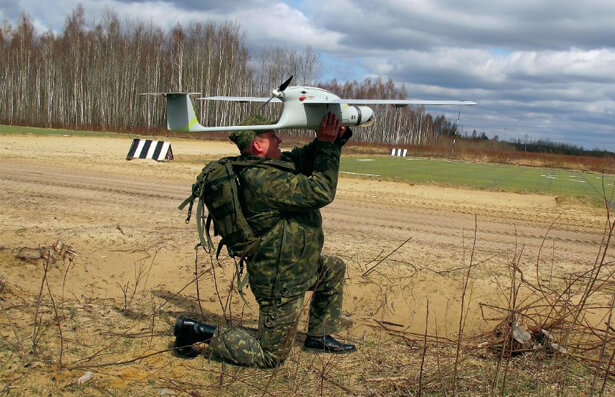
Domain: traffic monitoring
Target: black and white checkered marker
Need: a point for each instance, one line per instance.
(149, 149)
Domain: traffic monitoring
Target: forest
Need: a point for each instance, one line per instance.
(91, 75)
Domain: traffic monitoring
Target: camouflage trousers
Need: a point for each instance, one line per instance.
(278, 320)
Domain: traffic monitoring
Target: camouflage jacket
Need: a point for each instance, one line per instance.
(282, 205)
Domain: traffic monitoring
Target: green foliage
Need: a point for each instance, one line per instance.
(546, 146)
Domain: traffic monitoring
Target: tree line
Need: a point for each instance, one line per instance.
(91, 75)
(546, 146)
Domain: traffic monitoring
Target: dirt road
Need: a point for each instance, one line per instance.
(120, 214)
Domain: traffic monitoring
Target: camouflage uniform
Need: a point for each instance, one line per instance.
(283, 209)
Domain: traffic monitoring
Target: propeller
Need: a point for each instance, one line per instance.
(285, 84)
(278, 92)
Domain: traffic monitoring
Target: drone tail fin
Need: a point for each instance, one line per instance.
(180, 113)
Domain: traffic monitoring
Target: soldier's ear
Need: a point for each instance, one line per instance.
(257, 148)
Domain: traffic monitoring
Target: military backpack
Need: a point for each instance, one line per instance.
(217, 188)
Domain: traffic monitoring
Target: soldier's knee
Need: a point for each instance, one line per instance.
(337, 265)
(332, 272)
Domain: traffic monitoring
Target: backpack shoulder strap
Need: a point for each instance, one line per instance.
(254, 161)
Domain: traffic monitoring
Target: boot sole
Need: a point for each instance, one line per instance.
(316, 350)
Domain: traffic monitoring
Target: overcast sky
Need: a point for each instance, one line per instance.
(545, 69)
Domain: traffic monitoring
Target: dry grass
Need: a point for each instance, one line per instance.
(49, 341)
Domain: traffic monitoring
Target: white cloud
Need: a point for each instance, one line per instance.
(280, 23)
(263, 22)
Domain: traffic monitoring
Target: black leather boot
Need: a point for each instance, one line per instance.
(187, 332)
(327, 344)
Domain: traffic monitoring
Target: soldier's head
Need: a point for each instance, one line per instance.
(261, 143)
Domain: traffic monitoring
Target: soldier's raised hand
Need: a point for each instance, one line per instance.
(329, 129)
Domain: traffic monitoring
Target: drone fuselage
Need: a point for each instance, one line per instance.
(305, 107)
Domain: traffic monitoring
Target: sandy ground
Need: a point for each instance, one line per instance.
(121, 218)
(116, 213)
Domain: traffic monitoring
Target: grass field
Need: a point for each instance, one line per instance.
(488, 176)
(579, 185)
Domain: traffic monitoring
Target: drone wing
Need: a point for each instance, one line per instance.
(242, 99)
(396, 102)
(169, 93)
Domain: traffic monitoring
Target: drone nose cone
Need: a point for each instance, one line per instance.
(368, 117)
(369, 121)
(358, 115)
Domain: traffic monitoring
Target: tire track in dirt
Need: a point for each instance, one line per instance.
(428, 224)
(535, 217)
(450, 228)
(78, 179)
